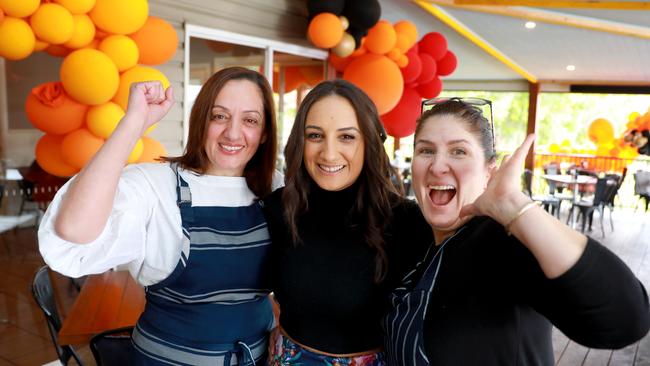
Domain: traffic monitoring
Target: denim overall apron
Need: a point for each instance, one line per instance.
(403, 325)
(213, 309)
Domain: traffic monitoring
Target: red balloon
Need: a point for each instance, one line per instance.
(413, 69)
(430, 89)
(434, 44)
(400, 121)
(429, 69)
(447, 64)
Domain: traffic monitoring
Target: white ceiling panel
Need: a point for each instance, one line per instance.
(473, 63)
(546, 50)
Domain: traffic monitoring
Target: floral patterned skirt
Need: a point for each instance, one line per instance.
(283, 351)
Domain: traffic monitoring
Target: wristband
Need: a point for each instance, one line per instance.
(523, 210)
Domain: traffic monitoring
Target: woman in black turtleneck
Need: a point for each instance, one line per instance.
(334, 228)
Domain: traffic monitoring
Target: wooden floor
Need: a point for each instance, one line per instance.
(24, 339)
(630, 241)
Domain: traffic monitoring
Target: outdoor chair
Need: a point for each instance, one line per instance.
(604, 189)
(43, 293)
(112, 347)
(619, 181)
(549, 203)
(642, 187)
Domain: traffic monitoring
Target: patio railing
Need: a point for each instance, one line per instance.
(599, 164)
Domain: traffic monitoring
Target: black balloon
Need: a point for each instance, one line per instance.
(362, 14)
(315, 7)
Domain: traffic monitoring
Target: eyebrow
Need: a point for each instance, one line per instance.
(452, 142)
(340, 129)
(224, 108)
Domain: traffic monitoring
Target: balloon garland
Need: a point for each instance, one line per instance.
(385, 60)
(106, 45)
(637, 135)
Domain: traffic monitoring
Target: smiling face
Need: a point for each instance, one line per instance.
(449, 172)
(334, 146)
(235, 129)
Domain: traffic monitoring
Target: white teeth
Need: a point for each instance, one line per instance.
(332, 168)
(442, 188)
(231, 148)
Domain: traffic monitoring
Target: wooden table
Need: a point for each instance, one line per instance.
(107, 301)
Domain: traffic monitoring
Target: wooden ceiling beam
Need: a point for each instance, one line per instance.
(551, 17)
(473, 37)
(567, 4)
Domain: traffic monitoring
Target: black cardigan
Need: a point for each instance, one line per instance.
(324, 285)
(493, 305)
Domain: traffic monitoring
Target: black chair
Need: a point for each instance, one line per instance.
(605, 188)
(43, 293)
(112, 347)
(642, 186)
(550, 203)
(612, 196)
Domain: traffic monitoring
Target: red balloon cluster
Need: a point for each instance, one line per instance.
(427, 61)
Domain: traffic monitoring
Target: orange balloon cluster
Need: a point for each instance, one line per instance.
(636, 138)
(379, 54)
(419, 65)
(103, 42)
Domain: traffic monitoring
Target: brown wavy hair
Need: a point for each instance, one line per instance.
(373, 203)
(258, 170)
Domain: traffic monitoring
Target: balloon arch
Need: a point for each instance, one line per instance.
(106, 45)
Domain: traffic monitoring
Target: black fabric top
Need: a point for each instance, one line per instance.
(325, 285)
(493, 305)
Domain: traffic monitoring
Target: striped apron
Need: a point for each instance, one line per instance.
(403, 325)
(213, 309)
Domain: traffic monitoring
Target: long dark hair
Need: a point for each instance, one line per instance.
(373, 203)
(258, 170)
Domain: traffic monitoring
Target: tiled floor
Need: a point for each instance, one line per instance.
(24, 339)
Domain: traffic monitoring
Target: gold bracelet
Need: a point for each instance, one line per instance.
(523, 210)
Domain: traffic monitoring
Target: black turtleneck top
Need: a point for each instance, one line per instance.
(325, 285)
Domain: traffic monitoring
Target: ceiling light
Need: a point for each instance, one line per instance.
(531, 25)
(570, 67)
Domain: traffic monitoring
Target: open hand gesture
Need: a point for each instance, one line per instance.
(503, 194)
(149, 102)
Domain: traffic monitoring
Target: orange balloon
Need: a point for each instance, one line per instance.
(52, 111)
(40, 45)
(157, 41)
(325, 30)
(409, 30)
(152, 150)
(402, 62)
(395, 54)
(381, 38)
(359, 51)
(601, 131)
(79, 146)
(339, 63)
(58, 50)
(292, 79)
(49, 156)
(312, 74)
(379, 77)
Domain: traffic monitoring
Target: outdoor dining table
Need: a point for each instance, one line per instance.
(576, 181)
(106, 301)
